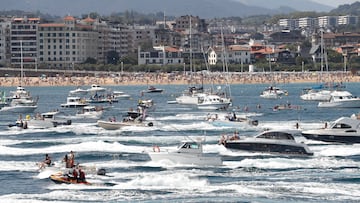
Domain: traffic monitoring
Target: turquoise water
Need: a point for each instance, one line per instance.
(331, 175)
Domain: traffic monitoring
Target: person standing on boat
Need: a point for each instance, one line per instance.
(71, 159)
(46, 162)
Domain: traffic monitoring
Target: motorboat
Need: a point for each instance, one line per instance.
(270, 141)
(341, 99)
(96, 88)
(120, 95)
(133, 118)
(90, 112)
(153, 89)
(231, 120)
(74, 102)
(40, 121)
(19, 102)
(287, 106)
(212, 102)
(115, 125)
(342, 130)
(273, 93)
(189, 152)
(78, 91)
(96, 98)
(316, 95)
(190, 97)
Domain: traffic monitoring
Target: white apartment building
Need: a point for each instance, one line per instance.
(327, 21)
(237, 54)
(162, 55)
(23, 37)
(290, 24)
(347, 20)
(307, 22)
(62, 45)
(4, 41)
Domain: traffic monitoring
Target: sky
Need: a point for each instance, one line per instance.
(335, 3)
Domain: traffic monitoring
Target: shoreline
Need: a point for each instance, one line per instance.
(181, 79)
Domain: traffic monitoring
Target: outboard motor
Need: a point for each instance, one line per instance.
(150, 124)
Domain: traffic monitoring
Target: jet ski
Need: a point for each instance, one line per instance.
(60, 178)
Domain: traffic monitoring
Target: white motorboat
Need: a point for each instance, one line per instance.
(343, 130)
(96, 88)
(212, 102)
(316, 95)
(231, 120)
(120, 95)
(41, 121)
(153, 89)
(94, 112)
(341, 99)
(272, 141)
(74, 102)
(115, 125)
(189, 152)
(19, 102)
(78, 91)
(190, 97)
(273, 93)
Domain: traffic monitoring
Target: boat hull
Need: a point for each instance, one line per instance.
(18, 109)
(108, 125)
(268, 147)
(61, 179)
(341, 104)
(187, 159)
(325, 137)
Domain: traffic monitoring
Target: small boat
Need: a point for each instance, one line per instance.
(96, 88)
(41, 121)
(90, 112)
(341, 99)
(74, 102)
(273, 93)
(287, 106)
(189, 152)
(271, 141)
(120, 95)
(114, 125)
(60, 178)
(153, 89)
(231, 120)
(212, 102)
(342, 130)
(78, 91)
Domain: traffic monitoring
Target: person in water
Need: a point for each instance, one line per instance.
(46, 162)
(81, 178)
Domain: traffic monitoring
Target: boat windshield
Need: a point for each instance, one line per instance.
(190, 145)
(276, 136)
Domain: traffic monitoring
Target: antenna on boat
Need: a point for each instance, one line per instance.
(21, 63)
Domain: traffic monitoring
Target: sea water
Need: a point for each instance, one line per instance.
(331, 175)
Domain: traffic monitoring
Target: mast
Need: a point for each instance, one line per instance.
(21, 63)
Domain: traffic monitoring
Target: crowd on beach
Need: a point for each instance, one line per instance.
(184, 78)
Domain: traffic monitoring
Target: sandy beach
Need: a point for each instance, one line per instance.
(181, 79)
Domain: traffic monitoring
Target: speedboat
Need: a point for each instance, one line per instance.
(78, 91)
(19, 102)
(41, 121)
(115, 125)
(120, 95)
(189, 152)
(90, 112)
(316, 95)
(271, 141)
(96, 88)
(272, 93)
(341, 99)
(212, 102)
(190, 97)
(343, 130)
(231, 120)
(74, 102)
(153, 89)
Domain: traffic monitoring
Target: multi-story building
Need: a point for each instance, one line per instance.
(184, 22)
(348, 20)
(307, 22)
(23, 46)
(327, 21)
(236, 54)
(290, 24)
(62, 45)
(162, 55)
(4, 42)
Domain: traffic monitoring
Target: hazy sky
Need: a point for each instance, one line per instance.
(335, 3)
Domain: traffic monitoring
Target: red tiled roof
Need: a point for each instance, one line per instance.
(52, 25)
(69, 18)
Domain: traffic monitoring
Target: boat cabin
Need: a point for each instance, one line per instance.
(276, 135)
(190, 147)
